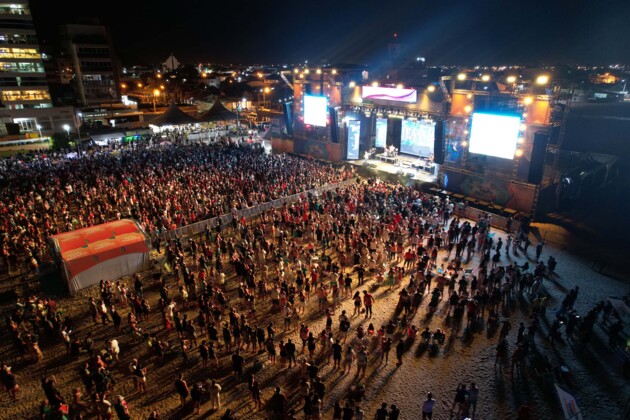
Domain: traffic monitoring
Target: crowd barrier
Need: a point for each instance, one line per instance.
(496, 221)
(248, 213)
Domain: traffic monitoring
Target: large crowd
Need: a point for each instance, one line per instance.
(234, 294)
(161, 187)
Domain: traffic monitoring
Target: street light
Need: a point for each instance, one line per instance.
(67, 128)
(265, 91)
(542, 79)
(156, 93)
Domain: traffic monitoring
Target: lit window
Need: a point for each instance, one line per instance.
(25, 95)
(19, 53)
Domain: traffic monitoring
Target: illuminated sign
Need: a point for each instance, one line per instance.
(389, 94)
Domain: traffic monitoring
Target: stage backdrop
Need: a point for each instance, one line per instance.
(508, 194)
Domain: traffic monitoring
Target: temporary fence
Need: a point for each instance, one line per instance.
(496, 221)
(248, 213)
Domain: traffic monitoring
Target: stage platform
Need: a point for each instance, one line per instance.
(414, 168)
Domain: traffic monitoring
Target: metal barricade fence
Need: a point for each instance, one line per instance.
(496, 221)
(249, 213)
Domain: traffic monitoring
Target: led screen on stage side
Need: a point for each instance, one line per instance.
(381, 132)
(417, 137)
(354, 137)
(494, 135)
(315, 110)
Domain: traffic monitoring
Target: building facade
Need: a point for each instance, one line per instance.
(96, 68)
(23, 82)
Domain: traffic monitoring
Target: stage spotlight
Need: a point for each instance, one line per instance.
(518, 153)
(399, 86)
(375, 84)
(485, 78)
(461, 76)
(528, 100)
(296, 71)
(542, 79)
(511, 79)
(431, 88)
(464, 143)
(523, 127)
(319, 71)
(352, 84)
(307, 71)
(468, 108)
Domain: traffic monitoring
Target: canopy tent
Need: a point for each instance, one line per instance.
(100, 135)
(103, 252)
(217, 112)
(173, 116)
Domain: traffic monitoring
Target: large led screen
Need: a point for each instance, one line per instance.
(354, 137)
(417, 137)
(381, 132)
(494, 135)
(315, 110)
(389, 94)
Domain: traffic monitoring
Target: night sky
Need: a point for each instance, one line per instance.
(348, 31)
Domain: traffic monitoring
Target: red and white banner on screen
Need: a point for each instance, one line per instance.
(389, 94)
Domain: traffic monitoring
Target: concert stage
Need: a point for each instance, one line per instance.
(411, 168)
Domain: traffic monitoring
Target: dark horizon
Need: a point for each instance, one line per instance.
(460, 33)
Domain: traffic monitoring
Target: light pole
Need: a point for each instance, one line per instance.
(79, 132)
(156, 93)
(67, 128)
(266, 90)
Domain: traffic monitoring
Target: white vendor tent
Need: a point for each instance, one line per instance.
(103, 252)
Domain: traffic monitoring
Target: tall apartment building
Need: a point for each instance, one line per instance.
(22, 78)
(97, 72)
